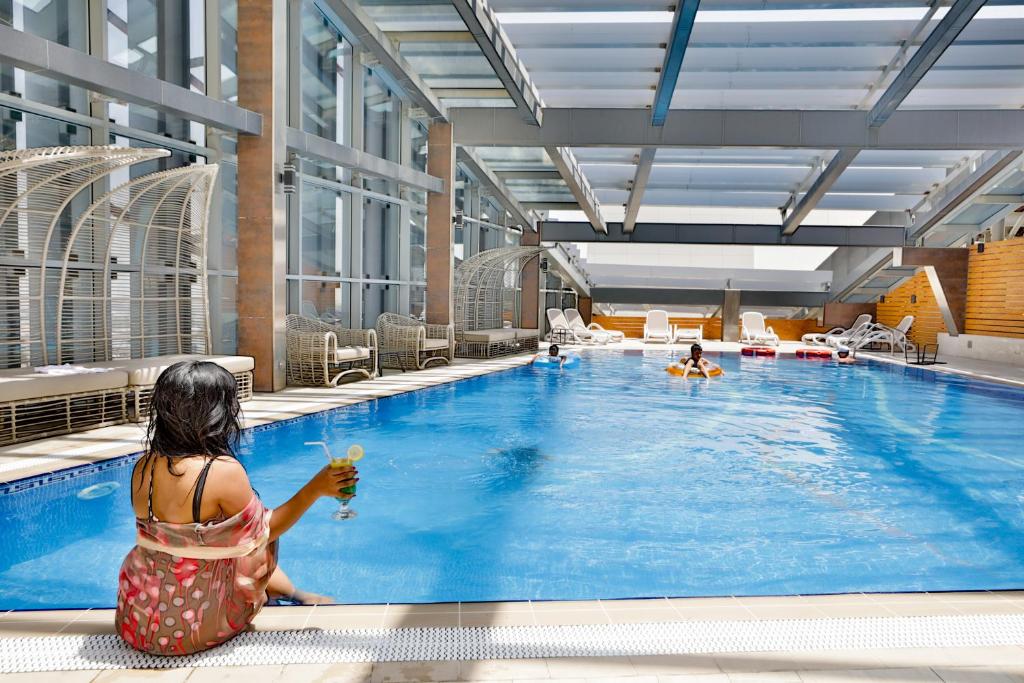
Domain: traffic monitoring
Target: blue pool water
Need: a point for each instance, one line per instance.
(613, 480)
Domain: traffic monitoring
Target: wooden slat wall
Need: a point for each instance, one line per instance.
(927, 318)
(995, 290)
(633, 326)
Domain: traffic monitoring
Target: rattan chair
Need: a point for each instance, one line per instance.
(321, 355)
(409, 344)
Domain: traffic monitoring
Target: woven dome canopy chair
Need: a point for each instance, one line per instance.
(116, 287)
(485, 290)
(410, 344)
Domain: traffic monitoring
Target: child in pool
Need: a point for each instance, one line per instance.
(552, 353)
(697, 363)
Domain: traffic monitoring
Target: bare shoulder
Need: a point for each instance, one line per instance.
(228, 485)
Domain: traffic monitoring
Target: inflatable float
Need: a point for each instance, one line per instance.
(813, 353)
(764, 351)
(551, 362)
(677, 369)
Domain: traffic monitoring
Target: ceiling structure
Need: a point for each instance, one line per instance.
(903, 113)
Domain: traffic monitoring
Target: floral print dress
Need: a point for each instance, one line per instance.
(185, 588)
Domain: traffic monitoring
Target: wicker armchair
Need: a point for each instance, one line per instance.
(320, 354)
(408, 344)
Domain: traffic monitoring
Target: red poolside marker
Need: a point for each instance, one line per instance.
(758, 351)
(813, 353)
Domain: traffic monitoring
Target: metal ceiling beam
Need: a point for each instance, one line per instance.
(682, 27)
(565, 162)
(954, 129)
(363, 30)
(67, 65)
(956, 19)
(486, 177)
(552, 206)
(988, 173)
(529, 175)
(729, 233)
(639, 186)
(1000, 199)
(399, 37)
(702, 297)
(496, 48)
(822, 184)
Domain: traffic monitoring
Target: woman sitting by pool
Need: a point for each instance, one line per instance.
(205, 559)
(695, 363)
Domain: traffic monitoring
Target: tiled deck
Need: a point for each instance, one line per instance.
(989, 664)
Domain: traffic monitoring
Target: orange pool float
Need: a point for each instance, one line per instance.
(758, 351)
(676, 370)
(813, 353)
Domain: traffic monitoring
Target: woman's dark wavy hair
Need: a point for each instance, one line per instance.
(193, 411)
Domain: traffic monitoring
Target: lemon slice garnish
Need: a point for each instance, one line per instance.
(355, 452)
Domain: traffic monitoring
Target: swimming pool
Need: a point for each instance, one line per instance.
(614, 480)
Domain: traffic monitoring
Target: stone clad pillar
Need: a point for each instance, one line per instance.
(731, 315)
(529, 315)
(440, 231)
(262, 217)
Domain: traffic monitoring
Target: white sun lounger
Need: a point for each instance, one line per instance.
(558, 323)
(822, 338)
(837, 340)
(893, 337)
(657, 327)
(575, 320)
(755, 331)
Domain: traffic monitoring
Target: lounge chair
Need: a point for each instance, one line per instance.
(837, 340)
(321, 355)
(575, 320)
(688, 334)
(657, 327)
(409, 344)
(822, 338)
(755, 331)
(561, 331)
(878, 334)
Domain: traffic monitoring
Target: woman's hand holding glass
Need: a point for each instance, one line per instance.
(336, 482)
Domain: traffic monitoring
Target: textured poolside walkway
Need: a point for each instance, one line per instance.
(716, 640)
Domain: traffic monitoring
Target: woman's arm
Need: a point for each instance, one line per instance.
(327, 482)
(229, 486)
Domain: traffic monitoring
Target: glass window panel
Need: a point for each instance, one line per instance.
(417, 246)
(62, 21)
(378, 299)
(228, 33)
(325, 237)
(328, 301)
(380, 240)
(418, 302)
(165, 39)
(326, 59)
(228, 217)
(224, 314)
(419, 145)
(381, 111)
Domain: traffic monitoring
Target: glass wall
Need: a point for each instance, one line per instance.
(382, 111)
(62, 21)
(326, 59)
(165, 39)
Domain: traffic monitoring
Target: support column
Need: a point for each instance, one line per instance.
(262, 216)
(440, 232)
(529, 306)
(731, 315)
(585, 305)
(947, 274)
